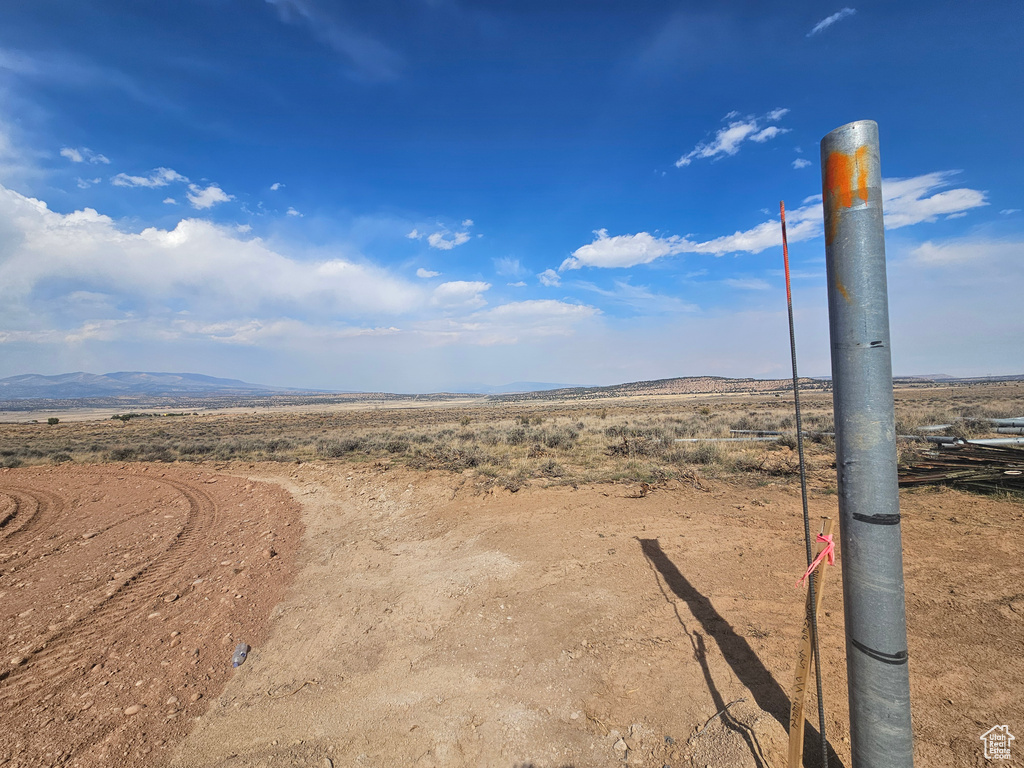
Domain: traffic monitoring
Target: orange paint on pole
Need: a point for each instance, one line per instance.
(839, 179)
(839, 190)
(861, 159)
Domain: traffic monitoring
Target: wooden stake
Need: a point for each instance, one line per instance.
(804, 657)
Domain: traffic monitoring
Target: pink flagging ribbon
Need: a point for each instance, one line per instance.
(829, 551)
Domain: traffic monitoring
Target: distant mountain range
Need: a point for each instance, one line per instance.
(515, 386)
(125, 385)
(73, 386)
(79, 385)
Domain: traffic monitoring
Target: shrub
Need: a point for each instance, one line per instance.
(333, 449)
(787, 440)
(515, 482)
(560, 438)
(454, 458)
(704, 453)
(552, 468)
(53, 420)
(155, 453)
(396, 445)
(195, 449)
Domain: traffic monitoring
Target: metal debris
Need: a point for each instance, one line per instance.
(977, 467)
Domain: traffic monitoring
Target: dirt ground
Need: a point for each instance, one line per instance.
(123, 591)
(421, 620)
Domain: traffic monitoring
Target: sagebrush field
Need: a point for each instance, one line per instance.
(512, 583)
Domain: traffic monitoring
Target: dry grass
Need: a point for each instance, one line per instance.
(508, 444)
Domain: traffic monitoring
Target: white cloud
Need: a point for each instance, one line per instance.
(542, 308)
(426, 273)
(909, 201)
(509, 267)
(159, 177)
(276, 332)
(975, 278)
(170, 201)
(183, 293)
(549, 278)
(442, 242)
(460, 294)
(83, 154)
(292, 212)
(801, 163)
(801, 224)
(827, 22)
(727, 140)
(747, 283)
(904, 201)
(276, 186)
(211, 268)
(86, 183)
(202, 199)
(443, 239)
(519, 284)
(510, 323)
(1008, 211)
(768, 133)
(641, 298)
(970, 252)
(622, 250)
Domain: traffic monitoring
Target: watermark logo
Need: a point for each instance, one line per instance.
(997, 742)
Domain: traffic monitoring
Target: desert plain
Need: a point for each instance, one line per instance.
(468, 582)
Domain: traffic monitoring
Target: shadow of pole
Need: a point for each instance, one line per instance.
(700, 653)
(745, 664)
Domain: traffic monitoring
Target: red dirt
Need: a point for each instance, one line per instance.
(125, 587)
(435, 622)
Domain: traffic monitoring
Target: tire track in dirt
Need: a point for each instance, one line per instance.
(133, 584)
(54, 505)
(72, 649)
(8, 509)
(33, 513)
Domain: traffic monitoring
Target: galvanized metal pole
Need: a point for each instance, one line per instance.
(869, 514)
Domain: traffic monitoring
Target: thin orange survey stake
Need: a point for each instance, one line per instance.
(809, 645)
(785, 251)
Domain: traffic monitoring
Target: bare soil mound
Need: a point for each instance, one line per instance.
(123, 591)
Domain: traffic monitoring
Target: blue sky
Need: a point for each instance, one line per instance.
(414, 195)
